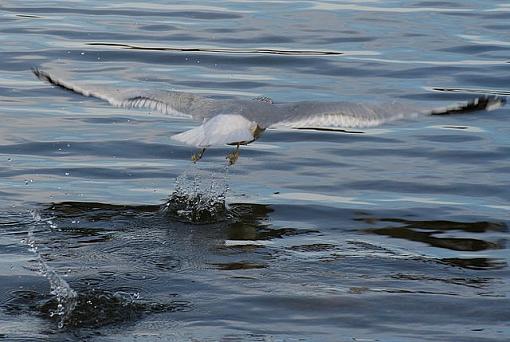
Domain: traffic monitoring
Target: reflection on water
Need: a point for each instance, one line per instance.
(129, 263)
(458, 244)
(472, 227)
(477, 263)
(71, 233)
(432, 233)
(225, 50)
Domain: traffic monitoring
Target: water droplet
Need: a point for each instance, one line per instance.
(65, 295)
(198, 197)
(67, 173)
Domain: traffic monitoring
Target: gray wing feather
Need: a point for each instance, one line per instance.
(340, 114)
(356, 115)
(174, 103)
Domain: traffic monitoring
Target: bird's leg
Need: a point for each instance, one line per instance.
(198, 155)
(233, 156)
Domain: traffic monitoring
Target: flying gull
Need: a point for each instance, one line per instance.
(242, 121)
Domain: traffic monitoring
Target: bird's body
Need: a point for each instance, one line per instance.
(241, 121)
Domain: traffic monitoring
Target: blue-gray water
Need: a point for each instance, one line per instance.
(397, 233)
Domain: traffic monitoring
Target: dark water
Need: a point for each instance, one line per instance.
(391, 234)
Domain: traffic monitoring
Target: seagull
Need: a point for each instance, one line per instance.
(241, 121)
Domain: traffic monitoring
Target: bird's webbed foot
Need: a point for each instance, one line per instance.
(198, 155)
(233, 156)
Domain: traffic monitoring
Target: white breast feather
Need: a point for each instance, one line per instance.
(219, 130)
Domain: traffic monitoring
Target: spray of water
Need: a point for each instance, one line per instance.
(199, 196)
(65, 295)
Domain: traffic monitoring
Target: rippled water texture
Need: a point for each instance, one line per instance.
(397, 233)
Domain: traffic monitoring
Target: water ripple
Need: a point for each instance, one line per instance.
(394, 233)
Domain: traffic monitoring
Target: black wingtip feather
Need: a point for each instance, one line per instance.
(38, 73)
(45, 77)
(477, 104)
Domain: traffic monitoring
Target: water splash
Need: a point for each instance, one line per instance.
(199, 196)
(66, 297)
(95, 308)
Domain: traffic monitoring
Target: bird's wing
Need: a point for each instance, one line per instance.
(355, 115)
(224, 121)
(173, 103)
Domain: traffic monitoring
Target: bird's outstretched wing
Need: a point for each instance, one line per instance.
(233, 121)
(223, 121)
(173, 103)
(356, 115)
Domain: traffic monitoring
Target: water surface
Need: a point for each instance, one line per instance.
(397, 233)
